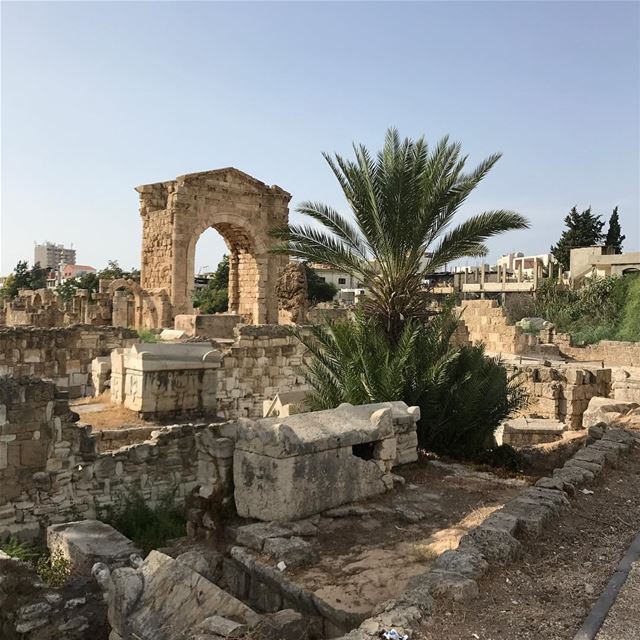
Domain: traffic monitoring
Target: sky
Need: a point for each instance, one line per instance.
(99, 97)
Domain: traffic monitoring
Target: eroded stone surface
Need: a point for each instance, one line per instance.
(86, 542)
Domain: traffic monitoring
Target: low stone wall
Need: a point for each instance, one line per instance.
(63, 355)
(53, 471)
(563, 392)
(497, 541)
(611, 352)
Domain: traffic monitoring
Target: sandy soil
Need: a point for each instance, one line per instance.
(549, 592)
(368, 558)
(102, 415)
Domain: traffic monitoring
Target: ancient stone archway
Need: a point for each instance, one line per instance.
(242, 209)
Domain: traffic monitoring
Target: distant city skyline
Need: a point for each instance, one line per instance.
(98, 98)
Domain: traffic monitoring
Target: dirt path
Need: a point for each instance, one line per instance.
(549, 592)
(369, 556)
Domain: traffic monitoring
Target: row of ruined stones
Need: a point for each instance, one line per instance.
(180, 598)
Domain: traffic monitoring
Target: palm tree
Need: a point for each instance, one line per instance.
(403, 203)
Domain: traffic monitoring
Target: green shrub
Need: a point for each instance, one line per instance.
(54, 569)
(148, 336)
(20, 550)
(463, 396)
(629, 327)
(468, 395)
(148, 527)
(603, 309)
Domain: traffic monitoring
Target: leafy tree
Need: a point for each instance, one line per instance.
(37, 277)
(22, 275)
(112, 271)
(583, 230)
(404, 202)
(317, 289)
(67, 289)
(214, 298)
(89, 281)
(10, 288)
(220, 279)
(24, 278)
(614, 238)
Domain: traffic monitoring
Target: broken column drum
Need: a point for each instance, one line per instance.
(293, 467)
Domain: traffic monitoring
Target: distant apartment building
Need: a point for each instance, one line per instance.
(51, 256)
(518, 263)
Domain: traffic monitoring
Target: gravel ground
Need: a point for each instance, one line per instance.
(547, 594)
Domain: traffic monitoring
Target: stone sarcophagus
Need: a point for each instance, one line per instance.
(294, 467)
(165, 379)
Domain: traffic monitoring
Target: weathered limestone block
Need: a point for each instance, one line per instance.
(86, 542)
(212, 326)
(308, 463)
(164, 599)
(605, 410)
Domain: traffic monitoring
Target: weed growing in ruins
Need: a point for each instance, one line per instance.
(54, 569)
(149, 527)
(146, 335)
(20, 550)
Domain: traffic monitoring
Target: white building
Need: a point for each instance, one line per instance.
(519, 263)
(589, 262)
(339, 279)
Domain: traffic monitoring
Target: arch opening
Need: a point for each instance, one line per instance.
(242, 281)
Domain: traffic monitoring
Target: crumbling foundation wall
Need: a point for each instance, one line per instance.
(52, 470)
(563, 392)
(63, 355)
(486, 323)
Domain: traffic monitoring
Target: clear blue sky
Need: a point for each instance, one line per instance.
(100, 97)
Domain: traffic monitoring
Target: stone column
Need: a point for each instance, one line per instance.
(233, 281)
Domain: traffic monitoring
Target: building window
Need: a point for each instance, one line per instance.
(322, 279)
(342, 281)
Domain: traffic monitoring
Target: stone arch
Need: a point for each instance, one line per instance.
(123, 314)
(246, 287)
(242, 209)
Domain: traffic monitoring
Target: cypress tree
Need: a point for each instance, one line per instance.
(614, 238)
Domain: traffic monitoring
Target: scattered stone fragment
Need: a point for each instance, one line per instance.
(294, 551)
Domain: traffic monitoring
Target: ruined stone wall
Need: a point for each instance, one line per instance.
(157, 224)
(611, 352)
(52, 470)
(63, 355)
(563, 393)
(265, 360)
(486, 323)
